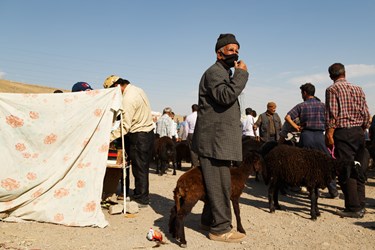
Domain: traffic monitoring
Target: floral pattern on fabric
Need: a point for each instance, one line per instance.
(53, 155)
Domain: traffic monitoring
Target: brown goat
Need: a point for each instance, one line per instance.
(190, 189)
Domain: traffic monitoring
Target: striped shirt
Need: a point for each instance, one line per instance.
(346, 106)
(311, 114)
(164, 126)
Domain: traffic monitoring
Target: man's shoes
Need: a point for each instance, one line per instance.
(141, 204)
(364, 211)
(349, 214)
(334, 196)
(230, 237)
(205, 227)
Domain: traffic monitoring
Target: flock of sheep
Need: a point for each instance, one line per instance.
(279, 165)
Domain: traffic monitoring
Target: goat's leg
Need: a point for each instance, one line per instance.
(157, 166)
(172, 221)
(181, 214)
(162, 168)
(276, 196)
(271, 190)
(316, 202)
(167, 165)
(236, 209)
(174, 168)
(257, 176)
(313, 203)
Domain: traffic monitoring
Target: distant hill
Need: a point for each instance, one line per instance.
(16, 87)
(7, 86)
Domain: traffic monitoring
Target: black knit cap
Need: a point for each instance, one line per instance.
(225, 39)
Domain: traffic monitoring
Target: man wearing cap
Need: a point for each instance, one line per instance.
(217, 135)
(81, 86)
(138, 128)
(269, 124)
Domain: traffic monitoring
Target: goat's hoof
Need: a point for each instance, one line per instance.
(272, 211)
(313, 218)
(183, 245)
(174, 173)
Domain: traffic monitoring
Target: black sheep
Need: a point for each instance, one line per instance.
(298, 167)
(250, 144)
(165, 152)
(182, 153)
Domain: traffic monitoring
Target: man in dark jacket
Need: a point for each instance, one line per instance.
(217, 135)
(269, 124)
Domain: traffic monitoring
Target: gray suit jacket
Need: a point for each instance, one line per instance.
(218, 132)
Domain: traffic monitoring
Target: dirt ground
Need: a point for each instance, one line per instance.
(289, 229)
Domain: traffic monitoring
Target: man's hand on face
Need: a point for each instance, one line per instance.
(240, 65)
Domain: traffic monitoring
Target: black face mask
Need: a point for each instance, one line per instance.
(230, 59)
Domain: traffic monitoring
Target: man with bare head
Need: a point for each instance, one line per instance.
(269, 124)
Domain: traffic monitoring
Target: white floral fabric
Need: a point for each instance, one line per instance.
(53, 155)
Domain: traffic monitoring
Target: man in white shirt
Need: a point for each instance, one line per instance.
(247, 125)
(174, 128)
(190, 125)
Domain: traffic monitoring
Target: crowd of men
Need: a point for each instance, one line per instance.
(214, 131)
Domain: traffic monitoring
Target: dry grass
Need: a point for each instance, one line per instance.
(16, 87)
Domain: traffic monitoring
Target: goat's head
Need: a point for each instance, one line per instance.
(253, 162)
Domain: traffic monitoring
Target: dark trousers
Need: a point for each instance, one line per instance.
(127, 177)
(194, 156)
(349, 143)
(140, 152)
(217, 211)
(315, 139)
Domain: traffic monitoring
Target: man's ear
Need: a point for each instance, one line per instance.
(219, 55)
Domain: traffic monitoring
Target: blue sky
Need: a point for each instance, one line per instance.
(165, 46)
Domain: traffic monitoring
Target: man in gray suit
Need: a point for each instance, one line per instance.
(217, 135)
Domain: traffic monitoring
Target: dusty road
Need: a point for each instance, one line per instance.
(289, 229)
